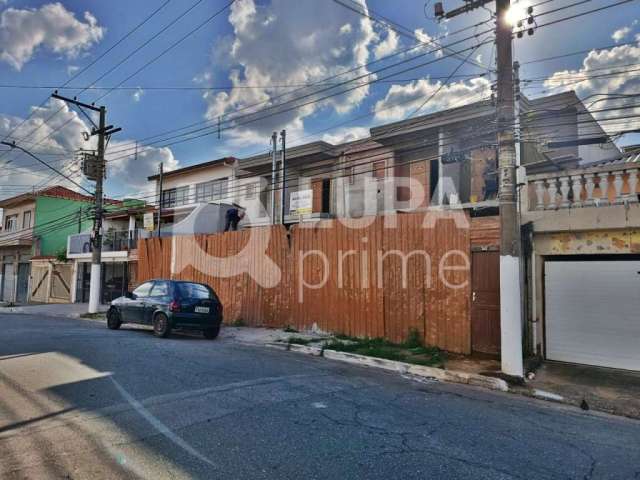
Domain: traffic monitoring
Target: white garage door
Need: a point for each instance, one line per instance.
(593, 312)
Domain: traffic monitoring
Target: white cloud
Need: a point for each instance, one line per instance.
(128, 171)
(402, 100)
(52, 26)
(286, 43)
(387, 46)
(137, 94)
(62, 133)
(431, 44)
(620, 34)
(346, 135)
(72, 69)
(597, 63)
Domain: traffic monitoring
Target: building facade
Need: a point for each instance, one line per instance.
(36, 227)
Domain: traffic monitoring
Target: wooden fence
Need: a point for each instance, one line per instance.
(373, 281)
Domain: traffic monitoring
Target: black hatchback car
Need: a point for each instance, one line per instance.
(169, 304)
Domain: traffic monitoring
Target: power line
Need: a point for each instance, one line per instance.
(84, 69)
(204, 128)
(297, 106)
(396, 27)
(401, 52)
(222, 87)
(123, 60)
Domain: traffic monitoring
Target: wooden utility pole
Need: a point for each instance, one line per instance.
(103, 131)
(510, 284)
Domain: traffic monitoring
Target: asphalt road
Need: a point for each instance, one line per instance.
(78, 401)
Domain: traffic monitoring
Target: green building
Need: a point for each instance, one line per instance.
(35, 228)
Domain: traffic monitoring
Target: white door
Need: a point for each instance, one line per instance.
(593, 312)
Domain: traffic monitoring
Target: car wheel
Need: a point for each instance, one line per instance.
(161, 325)
(114, 320)
(211, 333)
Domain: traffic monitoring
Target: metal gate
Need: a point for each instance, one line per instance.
(591, 312)
(22, 289)
(8, 282)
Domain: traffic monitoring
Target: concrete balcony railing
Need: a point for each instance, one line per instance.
(587, 187)
(112, 241)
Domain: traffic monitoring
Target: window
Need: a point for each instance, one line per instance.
(169, 198)
(160, 289)
(213, 190)
(26, 219)
(250, 191)
(11, 223)
(348, 173)
(379, 170)
(175, 197)
(143, 290)
(194, 290)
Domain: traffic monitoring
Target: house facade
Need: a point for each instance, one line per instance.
(122, 229)
(186, 188)
(448, 158)
(451, 158)
(582, 263)
(36, 227)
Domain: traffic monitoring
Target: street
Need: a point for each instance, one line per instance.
(79, 401)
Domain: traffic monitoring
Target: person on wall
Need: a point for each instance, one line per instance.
(233, 217)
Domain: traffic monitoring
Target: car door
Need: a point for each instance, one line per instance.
(132, 309)
(159, 299)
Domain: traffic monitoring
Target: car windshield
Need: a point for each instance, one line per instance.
(194, 290)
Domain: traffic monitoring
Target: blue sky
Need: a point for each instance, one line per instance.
(275, 42)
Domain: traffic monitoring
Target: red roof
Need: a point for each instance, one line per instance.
(56, 191)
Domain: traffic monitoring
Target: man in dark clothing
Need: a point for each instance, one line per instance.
(232, 218)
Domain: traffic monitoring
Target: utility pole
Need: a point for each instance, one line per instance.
(274, 164)
(103, 131)
(160, 197)
(510, 286)
(283, 135)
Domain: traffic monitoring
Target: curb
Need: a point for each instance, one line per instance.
(315, 351)
(432, 373)
(23, 311)
(294, 347)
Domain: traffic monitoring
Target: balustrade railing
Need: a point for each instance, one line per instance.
(597, 186)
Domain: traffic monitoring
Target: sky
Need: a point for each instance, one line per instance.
(204, 63)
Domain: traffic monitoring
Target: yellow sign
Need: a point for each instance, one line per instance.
(148, 221)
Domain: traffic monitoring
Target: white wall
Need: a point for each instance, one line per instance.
(191, 178)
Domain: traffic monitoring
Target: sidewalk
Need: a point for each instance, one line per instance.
(604, 389)
(72, 310)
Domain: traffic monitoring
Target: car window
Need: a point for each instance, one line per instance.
(143, 290)
(194, 290)
(160, 289)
